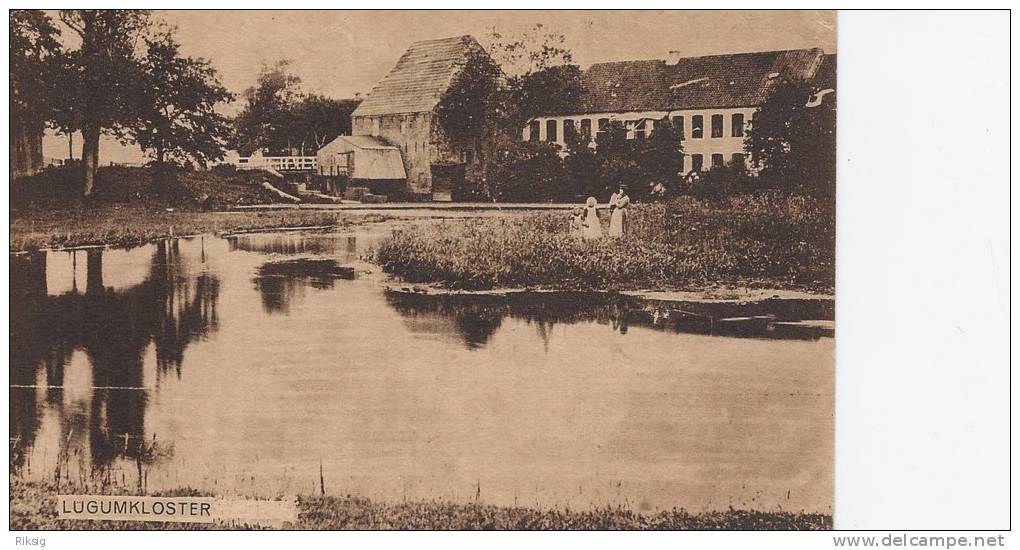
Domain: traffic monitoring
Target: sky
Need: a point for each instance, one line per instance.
(340, 53)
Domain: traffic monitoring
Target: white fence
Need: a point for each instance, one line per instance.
(280, 164)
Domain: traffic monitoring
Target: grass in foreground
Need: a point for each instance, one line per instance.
(759, 240)
(33, 506)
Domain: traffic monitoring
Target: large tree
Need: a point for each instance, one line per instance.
(582, 163)
(34, 47)
(268, 107)
(499, 89)
(178, 120)
(318, 120)
(794, 144)
(106, 76)
(541, 77)
(653, 155)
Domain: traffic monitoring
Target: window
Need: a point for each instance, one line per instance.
(737, 125)
(717, 160)
(550, 130)
(737, 159)
(697, 162)
(533, 129)
(586, 128)
(682, 163)
(717, 121)
(641, 129)
(603, 124)
(697, 126)
(678, 123)
(568, 129)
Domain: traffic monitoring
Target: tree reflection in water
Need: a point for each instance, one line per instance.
(475, 318)
(169, 309)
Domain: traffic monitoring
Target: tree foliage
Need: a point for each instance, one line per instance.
(471, 103)
(638, 163)
(795, 145)
(498, 89)
(102, 79)
(320, 119)
(582, 164)
(34, 51)
(267, 105)
(177, 119)
(279, 117)
(527, 172)
(540, 76)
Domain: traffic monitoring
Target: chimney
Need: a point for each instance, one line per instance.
(674, 57)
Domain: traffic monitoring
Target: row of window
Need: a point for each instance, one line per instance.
(640, 129)
(698, 125)
(718, 161)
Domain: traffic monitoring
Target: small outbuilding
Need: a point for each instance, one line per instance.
(362, 161)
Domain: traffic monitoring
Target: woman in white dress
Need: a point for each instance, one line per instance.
(592, 225)
(619, 203)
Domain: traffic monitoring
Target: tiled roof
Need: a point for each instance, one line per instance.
(419, 79)
(715, 81)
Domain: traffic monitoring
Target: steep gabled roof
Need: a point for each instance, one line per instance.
(420, 78)
(714, 81)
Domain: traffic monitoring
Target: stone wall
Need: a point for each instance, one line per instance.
(420, 144)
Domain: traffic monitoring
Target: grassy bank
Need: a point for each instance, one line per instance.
(138, 205)
(123, 225)
(33, 506)
(761, 240)
(187, 189)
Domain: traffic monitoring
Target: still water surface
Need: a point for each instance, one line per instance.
(246, 364)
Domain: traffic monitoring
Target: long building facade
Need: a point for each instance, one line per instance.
(711, 98)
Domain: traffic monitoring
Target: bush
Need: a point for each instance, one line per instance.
(529, 172)
(224, 169)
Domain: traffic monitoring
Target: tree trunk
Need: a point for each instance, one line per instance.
(89, 158)
(70, 146)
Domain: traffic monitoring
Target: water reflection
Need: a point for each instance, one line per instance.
(167, 310)
(281, 283)
(291, 244)
(475, 318)
(257, 363)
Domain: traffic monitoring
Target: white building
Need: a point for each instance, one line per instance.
(712, 98)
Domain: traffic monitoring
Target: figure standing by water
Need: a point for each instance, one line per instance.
(592, 225)
(618, 203)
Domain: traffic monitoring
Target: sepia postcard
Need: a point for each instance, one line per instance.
(422, 270)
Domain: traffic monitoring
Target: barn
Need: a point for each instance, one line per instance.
(362, 161)
(401, 111)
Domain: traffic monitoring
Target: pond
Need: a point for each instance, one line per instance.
(272, 364)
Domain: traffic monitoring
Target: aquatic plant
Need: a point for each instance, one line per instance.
(763, 239)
